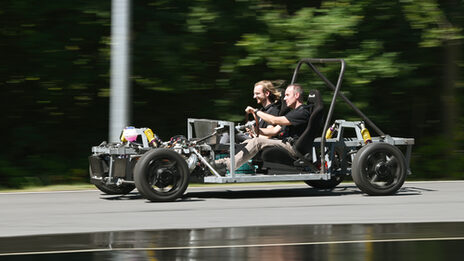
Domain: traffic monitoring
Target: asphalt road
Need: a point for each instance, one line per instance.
(227, 206)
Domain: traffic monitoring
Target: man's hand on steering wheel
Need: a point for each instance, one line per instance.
(252, 111)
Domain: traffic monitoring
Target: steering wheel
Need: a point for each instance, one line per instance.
(256, 126)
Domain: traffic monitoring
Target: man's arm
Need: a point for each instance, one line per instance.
(271, 119)
(270, 131)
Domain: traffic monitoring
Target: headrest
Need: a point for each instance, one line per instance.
(283, 106)
(314, 98)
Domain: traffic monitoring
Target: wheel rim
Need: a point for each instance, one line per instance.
(382, 169)
(163, 176)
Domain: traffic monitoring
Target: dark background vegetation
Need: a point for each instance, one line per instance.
(200, 59)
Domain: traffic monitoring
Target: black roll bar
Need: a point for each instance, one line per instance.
(336, 89)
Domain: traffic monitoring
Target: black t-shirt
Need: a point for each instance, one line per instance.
(272, 109)
(298, 118)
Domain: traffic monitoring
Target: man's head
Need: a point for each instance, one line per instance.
(293, 96)
(265, 93)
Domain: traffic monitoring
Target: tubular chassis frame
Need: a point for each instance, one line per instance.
(120, 156)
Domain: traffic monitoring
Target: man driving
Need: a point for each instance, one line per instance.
(268, 97)
(291, 125)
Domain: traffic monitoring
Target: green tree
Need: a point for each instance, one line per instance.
(200, 58)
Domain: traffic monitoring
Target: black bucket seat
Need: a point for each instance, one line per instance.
(279, 159)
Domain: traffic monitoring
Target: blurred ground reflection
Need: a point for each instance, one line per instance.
(427, 241)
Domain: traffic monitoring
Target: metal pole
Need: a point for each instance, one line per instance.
(331, 86)
(119, 81)
(358, 111)
(329, 115)
(232, 149)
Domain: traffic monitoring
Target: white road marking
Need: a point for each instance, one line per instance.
(47, 192)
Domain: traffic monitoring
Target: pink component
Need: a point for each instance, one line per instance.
(130, 133)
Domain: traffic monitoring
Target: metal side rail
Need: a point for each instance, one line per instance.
(355, 142)
(239, 178)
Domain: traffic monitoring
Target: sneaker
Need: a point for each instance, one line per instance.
(220, 166)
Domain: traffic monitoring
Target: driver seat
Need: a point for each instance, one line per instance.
(279, 159)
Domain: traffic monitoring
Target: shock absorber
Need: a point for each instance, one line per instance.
(152, 138)
(330, 131)
(365, 134)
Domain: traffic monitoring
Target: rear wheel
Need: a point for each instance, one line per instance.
(325, 184)
(335, 179)
(379, 169)
(161, 175)
(114, 189)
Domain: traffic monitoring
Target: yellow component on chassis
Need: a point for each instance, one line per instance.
(365, 134)
(150, 135)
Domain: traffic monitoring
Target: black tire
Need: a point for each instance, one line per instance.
(114, 189)
(326, 184)
(161, 175)
(379, 169)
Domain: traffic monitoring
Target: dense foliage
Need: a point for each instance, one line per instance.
(200, 58)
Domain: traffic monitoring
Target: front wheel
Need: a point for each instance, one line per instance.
(161, 175)
(379, 169)
(112, 189)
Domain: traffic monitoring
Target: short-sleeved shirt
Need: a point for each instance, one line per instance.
(272, 109)
(298, 118)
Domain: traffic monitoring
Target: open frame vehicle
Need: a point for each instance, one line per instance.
(161, 171)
